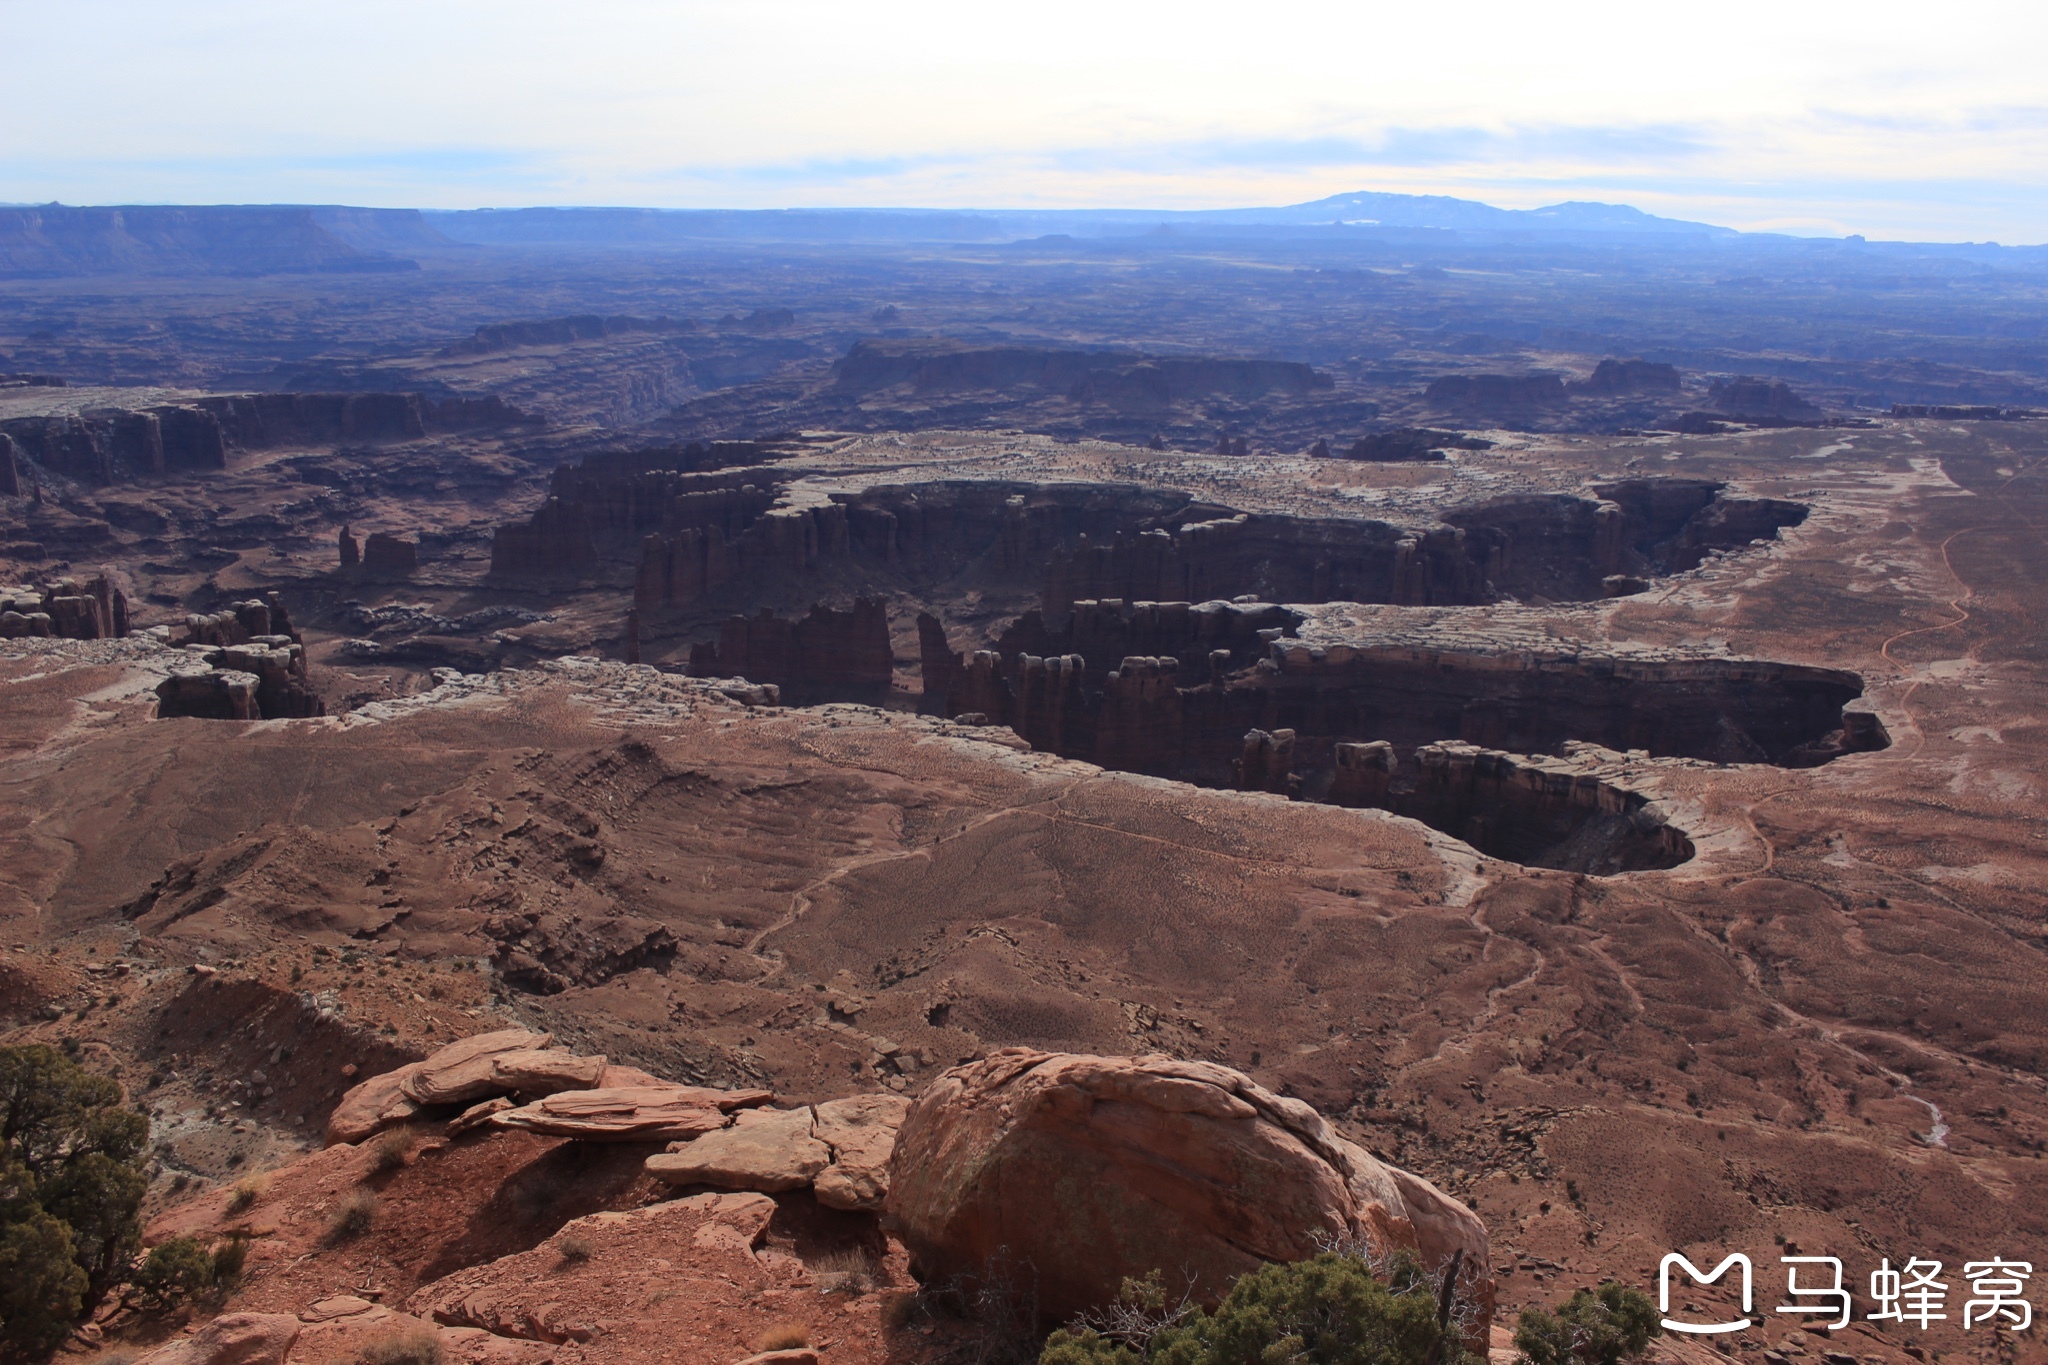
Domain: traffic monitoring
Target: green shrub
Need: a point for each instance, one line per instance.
(1332, 1309)
(71, 1187)
(1602, 1327)
(183, 1270)
(175, 1271)
(42, 1286)
(228, 1258)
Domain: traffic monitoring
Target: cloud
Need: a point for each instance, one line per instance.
(1757, 113)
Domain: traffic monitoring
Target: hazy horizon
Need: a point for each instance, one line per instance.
(1807, 119)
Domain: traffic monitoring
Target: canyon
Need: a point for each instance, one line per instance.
(1602, 785)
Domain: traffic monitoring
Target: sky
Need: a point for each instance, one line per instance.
(1905, 121)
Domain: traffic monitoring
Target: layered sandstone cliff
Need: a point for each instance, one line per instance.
(245, 662)
(684, 533)
(108, 445)
(65, 609)
(1396, 724)
(827, 654)
(1119, 379)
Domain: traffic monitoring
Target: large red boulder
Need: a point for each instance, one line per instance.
(1072, 1172)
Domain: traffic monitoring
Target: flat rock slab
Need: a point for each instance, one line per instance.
(232, 1339)
(632, 1113)
(840, 1149)
(861, 1131)
(466, 1070)
(348, 1328)
(463, 1072)
(545, 1071)
(372, 1106)
(477, 1116)
(763, 1149)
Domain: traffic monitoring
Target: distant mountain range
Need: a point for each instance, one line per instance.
(55, 240)
(1362, 210)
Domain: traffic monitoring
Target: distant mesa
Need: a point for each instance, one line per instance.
(30, 381)
(111, 444)
(1408, 444)
(1626, 378)
(1120, 379)
(54, 240)
(511, 336)
(1963, 413)
(1761, 401)
(670, 507)
(387, 556)
(381, 556)
(1495, 395)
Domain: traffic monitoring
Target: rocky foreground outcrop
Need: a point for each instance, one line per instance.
(481, 1067)
(840, 1149)
(1079, 1171)
(521, 1245)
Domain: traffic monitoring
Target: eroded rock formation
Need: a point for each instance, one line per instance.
(388, 556)
(681, 535)
(108, 445)
(1572, 813)
(842, 655)
(840, 1149)
(1625, 378)
(605, 507)
(10, 467)
(1383, 724)
(66, 609)
(940, 666)
(1762, 401)
(242, 663)
(1556, 546)
(1080, 1171)
(566, 1095)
